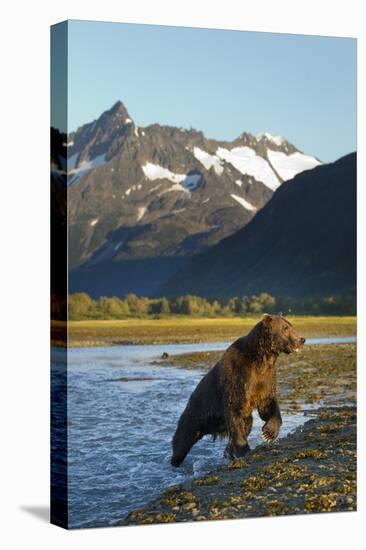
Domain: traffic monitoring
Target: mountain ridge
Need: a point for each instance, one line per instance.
(160, 191)
(303, 242)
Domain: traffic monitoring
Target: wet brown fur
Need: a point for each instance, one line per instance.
(243, 380)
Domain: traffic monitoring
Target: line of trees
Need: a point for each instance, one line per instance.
(82, 306)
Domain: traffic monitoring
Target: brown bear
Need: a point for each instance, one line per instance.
(243, 380)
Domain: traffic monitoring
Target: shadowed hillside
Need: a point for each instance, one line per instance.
(303, 242)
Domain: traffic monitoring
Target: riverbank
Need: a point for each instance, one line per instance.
(312, 470)
(179, 330)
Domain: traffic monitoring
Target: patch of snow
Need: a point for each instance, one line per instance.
(142, 132)
(175, 187)
(96, 162)
(139, 186)
(244, 203)
(287, 166)
(128, 121)
(85, 166)
(155, 188)
(246, 161)
(277, 140)
(178, 211)
(71, 161)
(68, 144)
(206, 200)
(156, 172)
(112, 169)
(94, 222)
(208, 160)
(140, 212)
(136, 131)
(128, 191)
(239, 182)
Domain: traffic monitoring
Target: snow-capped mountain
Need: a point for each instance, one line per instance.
(141, 193)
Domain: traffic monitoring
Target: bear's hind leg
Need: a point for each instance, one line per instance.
(184, 439)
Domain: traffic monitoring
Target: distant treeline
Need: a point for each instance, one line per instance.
(82, 306)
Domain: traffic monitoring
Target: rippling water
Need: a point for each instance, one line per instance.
(122, 414)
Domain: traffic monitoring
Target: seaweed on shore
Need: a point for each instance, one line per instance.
(312, 470)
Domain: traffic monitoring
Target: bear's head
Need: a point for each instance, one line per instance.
(282, 336)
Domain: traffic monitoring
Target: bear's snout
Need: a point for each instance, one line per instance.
(303, 340)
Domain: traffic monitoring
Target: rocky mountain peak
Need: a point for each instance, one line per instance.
(118, 112)
(118, 107)
(162, 191)
(97, 142)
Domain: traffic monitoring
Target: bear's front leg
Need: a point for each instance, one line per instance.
(233, 450)
(240, 428)
(269, 411)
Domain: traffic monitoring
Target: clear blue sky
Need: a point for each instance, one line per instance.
(220, 82)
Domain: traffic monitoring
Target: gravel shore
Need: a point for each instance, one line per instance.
(311, 470)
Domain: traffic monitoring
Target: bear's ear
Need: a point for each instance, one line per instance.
(266, 318)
